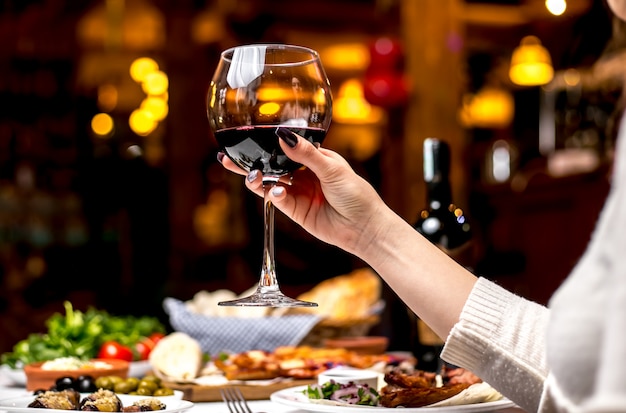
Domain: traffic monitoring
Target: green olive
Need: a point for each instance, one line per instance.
(153, 378)
(123, 387)
(104, 382)
(144, 391)
(133, 383)
(163, 391)
(148, 385)
(115, 379)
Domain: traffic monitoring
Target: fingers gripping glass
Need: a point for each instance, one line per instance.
(255, 90)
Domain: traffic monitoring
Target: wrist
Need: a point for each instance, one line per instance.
(379, 236)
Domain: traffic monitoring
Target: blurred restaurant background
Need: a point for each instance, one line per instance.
(111, 195)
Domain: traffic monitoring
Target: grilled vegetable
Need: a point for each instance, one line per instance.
(101, 401)
(60, 400)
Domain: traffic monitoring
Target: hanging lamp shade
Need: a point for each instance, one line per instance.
(531, 64)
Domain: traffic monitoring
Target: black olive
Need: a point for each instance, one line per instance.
(85, 384)
(64, 383)
(38, 392)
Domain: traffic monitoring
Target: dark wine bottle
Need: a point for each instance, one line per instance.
(445, 225)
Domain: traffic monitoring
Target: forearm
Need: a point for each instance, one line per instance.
(500, 331)
(433, 285)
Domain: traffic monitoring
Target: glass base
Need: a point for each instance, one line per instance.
(270, 299)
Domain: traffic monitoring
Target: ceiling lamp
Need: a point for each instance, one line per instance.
(531, 64)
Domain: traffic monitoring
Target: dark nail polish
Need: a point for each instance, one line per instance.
(220, 156)
(287, 136)
(252, 175)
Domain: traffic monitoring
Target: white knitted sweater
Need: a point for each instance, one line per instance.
(572, 356)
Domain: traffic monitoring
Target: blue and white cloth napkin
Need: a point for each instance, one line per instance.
(238, 334)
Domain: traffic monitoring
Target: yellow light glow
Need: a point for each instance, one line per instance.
(141, 122)
(156, 106)
(531, 64)
(141, 67)
(102, 124)
(351, 107)
(212, 93)
(155, 83)
(571, 77)
(107, 97)
(346, 56)
(274, 94)
(490, 108)
(320, 97)
(556, 7)
(269, 108)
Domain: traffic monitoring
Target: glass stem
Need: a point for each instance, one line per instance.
(268, 282)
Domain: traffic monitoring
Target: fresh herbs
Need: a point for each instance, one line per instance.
(80, 334)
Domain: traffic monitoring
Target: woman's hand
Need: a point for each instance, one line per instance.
(327, 198)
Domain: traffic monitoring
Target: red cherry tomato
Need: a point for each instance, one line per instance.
(143, 349)
(114, 350)
(156, 337)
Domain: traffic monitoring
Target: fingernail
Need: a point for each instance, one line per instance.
(278, 190)
(220, 156)
(252, 175)
(287, 136)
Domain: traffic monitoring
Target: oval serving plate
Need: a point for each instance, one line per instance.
(174, 404)
(294, 397)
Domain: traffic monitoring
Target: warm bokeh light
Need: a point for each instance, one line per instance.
(141, 67)
(571, 77)
(102, 124)
(531, 64)
(556, 7)
(274, 94)
(155, 83)
(141, 122)
(489, 108)
(351, 107)
(107, 97)
(346, 56)
(157, 106)
(269, 108)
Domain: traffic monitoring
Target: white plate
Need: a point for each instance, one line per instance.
(295, 398)
(20, 404)
(16, 376)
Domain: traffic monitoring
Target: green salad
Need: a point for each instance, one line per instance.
(351, 393)
(80, 334)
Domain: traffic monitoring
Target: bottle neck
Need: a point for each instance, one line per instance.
(436, 173)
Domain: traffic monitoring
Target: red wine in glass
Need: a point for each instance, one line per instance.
(256, 147)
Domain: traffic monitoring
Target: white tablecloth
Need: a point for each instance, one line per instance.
(8, 390)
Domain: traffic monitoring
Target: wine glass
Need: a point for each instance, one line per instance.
(255, 90)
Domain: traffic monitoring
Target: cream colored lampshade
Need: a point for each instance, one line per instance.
(531, 64)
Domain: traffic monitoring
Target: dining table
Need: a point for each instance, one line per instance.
(9, 390)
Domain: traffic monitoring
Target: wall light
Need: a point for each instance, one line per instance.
(491, 107)
(531, 64)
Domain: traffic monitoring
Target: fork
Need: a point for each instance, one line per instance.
(234, 400)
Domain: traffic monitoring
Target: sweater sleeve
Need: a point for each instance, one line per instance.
(500, 337)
